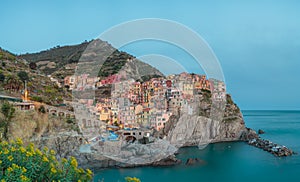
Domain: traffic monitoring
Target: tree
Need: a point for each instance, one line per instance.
(2, 77)
(32, 65)
(8, 112)
(13, 83)
(42, 109)
(23, 76)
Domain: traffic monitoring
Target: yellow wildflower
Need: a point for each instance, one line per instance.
(53, 158)
(31, 145)
(38, 152)
(4, 143)
(45, 159)
(13, 149)
(22, 149)
(29, 154)
(10, 158)
(81, 170)
(64, 160)
(89, 171)
(0, 161)
(24, 170)
(24, 178)
(15, 166)
(134, 179)
(74, 162)
(6, 151)
(53, 170)
(9, 169)
(19, 141)
(52, 152)
(45, 149)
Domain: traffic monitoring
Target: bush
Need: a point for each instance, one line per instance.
(2, 77)
(42, 109)
(70, 121)
(32, 65)
(37, 98)
(23, 76)
(20, 163)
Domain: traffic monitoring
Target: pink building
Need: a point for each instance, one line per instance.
(161, 120)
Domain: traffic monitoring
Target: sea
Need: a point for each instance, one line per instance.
(232, 161)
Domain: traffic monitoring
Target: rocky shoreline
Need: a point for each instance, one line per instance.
(253, 139)
(273, 148)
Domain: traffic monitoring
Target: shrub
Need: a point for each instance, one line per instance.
(32, 65)
(23, 76)
(70, 121)
(2, 77)
(42, 109)
(20, 163)
(37, 98)
(8, 112)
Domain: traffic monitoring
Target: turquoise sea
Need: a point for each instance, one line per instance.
(234, 161)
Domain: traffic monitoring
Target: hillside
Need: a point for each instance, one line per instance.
(62, 61)
(40, 87)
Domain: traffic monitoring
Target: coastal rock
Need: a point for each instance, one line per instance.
(193, 161)
(260, 132)
(198, 128)
(201, 130)
(248, 134)
(273, 148)
(169, 161)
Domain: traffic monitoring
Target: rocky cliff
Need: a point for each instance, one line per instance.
(185, 129)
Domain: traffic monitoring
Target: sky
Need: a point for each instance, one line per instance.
(257, 42)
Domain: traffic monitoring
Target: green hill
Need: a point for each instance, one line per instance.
(62, 61)
(40, 87)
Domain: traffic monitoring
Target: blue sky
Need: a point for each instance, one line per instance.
(257, 42)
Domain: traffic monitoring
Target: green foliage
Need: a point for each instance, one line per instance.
(70, 121)
(49, 90)
(32, 65)
(60, 55)
(6, 55)
(146, 78)
(42, 109)
(132, 179)
(36, 98)
(229, 99)
(2, 77)
(8, 112)
(23, 76)
(20, 163)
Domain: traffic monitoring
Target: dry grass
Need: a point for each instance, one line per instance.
(27, 124)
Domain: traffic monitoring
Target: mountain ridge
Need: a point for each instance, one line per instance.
(61, 61)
